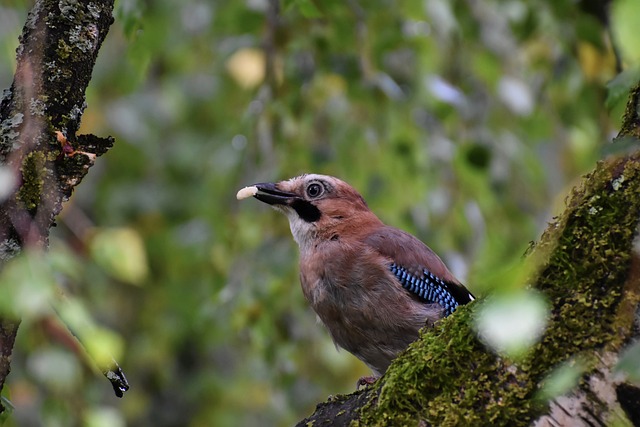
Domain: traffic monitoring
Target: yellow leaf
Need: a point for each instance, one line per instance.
(247, 67)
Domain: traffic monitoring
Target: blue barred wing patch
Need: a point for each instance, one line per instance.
(428, 287)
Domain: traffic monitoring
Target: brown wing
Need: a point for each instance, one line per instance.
(417, 267)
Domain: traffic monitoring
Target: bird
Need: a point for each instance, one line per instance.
(373, 286)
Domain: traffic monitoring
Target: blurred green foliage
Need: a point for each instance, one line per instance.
(462, 122)
(562, 379)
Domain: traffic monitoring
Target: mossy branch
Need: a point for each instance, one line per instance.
(56, 55)
(589, 273)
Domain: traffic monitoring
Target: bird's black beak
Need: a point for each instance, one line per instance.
(269, 193)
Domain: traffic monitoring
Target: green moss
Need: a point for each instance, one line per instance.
(592, 257)
(449, 390)
(449, 378)
(64, 50)
(33, 173)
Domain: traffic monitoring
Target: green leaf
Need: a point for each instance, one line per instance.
(562, 379)
(102, 345)
(621, 145)
(27, 286)
(511, 323)
(121, 252)
(618, 88)
(7, 404)
(308, 9)
(104, 417)
(625, 21)
(629, 364)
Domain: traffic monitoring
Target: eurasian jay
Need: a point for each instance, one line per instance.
(373, 286)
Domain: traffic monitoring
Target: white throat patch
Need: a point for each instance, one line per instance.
(303, 232)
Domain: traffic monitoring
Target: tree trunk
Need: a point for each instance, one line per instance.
(40, 114)
(589, 270)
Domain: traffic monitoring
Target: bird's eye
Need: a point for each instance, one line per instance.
(314, 190)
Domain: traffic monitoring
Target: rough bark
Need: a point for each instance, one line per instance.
(589, 270)
(39, 117)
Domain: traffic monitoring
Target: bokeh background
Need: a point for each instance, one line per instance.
(463, 122)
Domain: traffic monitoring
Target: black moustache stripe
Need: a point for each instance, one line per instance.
(306, 210)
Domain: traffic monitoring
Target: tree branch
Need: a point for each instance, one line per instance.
(57, 52)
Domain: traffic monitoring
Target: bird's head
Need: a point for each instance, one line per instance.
(317, 206)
